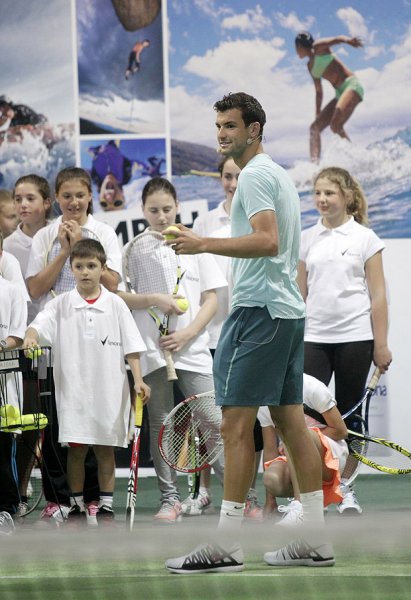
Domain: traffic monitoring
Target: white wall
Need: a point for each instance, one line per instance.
(397, 267)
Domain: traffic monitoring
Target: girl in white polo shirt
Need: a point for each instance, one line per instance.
(341, 278)
(188, 339)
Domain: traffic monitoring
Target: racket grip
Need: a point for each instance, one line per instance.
(171, 371)
(138, 418)
(374, 379)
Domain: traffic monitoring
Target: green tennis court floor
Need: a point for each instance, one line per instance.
(373, 555)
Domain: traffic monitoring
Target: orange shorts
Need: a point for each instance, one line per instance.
(331, 489)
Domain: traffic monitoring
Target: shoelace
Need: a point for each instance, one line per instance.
(49, 510)
(167, 508)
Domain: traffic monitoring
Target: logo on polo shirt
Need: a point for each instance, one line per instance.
(110, 343)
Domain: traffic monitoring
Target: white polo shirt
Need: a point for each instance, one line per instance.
(338, 306)
(10, 269)
(89, 343)
(216, 223)
(19, 245)
(13, 318)
(206, 224)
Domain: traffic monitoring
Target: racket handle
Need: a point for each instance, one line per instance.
(138, 418)
(171, 370)
(374, 379)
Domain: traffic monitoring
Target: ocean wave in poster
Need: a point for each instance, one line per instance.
(30, 155)
(383, 169)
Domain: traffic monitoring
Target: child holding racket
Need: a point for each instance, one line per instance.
(92, 392)
(48, 272)
(187, 340)
(341, 278)
(279, 476)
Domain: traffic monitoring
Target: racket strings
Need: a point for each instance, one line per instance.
(65, 281)
(151, 266)
(385, 456)
(191, 437)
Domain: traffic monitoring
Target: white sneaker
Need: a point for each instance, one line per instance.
(208, 558)
(349, 504)
(6, 523)
(21, 510)
(170, 512)
(195, 507)
(300, 553)
(292, 514)
(54, 513)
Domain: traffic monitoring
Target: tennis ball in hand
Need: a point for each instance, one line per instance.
(34, 352)
(182, 304)
(170, 235)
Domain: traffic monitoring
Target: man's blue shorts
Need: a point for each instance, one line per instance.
(259, 360)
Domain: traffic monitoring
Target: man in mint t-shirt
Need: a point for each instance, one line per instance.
(259, 356)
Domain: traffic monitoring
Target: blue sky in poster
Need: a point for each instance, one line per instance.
(216, 47)
(103, 48)
(36, 44)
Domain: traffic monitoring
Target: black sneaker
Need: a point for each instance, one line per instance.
(105, 515)
(300, 553)
(208, 558)
(76, 517)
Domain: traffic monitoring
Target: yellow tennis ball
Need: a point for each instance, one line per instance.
(182, 304)
(169, 235)
(34, 353)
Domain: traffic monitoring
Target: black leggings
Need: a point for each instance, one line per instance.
(350, 362)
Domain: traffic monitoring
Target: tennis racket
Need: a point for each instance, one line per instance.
(190, 439)
(150, 266)
(359, 444)
(65, 281)
(369, 390)
(133, 475)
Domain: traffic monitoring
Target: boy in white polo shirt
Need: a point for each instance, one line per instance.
(91, 331)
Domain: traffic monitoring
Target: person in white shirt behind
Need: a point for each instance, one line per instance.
(13, 318)
(32, 201)
(279, 476)
(91, 332)
(341, 278)
(187, 340)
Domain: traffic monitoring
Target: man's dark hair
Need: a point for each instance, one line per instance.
(251, 109)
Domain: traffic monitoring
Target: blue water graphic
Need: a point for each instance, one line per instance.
(382, 168)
